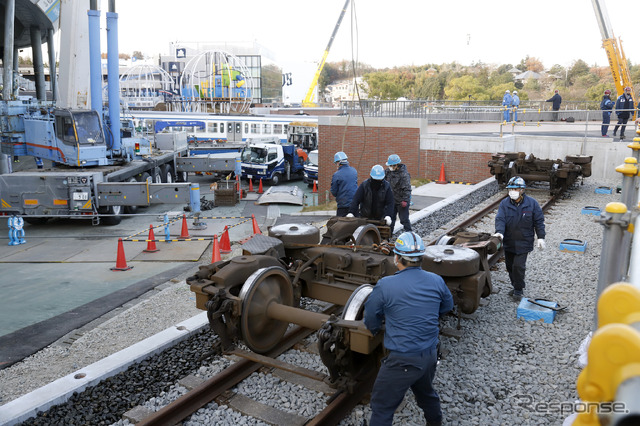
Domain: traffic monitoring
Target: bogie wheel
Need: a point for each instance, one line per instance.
(265, 286)
(367, 235)
(354, 308)
(166, 173)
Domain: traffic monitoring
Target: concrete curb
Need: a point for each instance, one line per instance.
(61, 390)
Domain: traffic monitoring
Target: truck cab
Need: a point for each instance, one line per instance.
(272, 162)
(311, 168)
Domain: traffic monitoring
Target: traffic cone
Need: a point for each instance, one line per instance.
(225, 243)
(260, 187)
(315, 187)
(250, 185)
(256, 228)
(441, 179)
(151, 244)
(121, 261)
(185, 231)
(215, 257)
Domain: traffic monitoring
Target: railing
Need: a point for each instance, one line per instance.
(461, 111)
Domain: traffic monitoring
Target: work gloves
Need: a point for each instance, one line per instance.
(403, 204)
(499, 235)
(541, 244)
(387, 220)
(350, 215)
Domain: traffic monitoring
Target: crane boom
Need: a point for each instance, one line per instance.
(613, 47)
(308, 99)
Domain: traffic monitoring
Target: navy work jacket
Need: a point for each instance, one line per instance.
(344, 184)
(518, 223)
(410, 301)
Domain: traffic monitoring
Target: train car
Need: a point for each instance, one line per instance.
(203, 127)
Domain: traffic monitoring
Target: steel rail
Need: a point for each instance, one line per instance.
(206, 392)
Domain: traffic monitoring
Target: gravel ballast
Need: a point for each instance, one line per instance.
(494, 374)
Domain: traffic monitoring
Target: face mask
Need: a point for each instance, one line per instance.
(395, 260)
(514, 195)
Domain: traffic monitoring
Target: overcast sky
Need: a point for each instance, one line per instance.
(385, 33)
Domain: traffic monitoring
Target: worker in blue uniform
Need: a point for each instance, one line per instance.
(344, 183)
(555, 100)
(373, 198)
(410, 303)
(606, 105)
(518, 221)
(515, 103)
(624, 110)
(506, 104)
(400, 181)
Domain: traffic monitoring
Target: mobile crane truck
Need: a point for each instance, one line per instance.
(99, 166)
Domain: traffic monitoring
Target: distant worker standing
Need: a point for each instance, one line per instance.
(516, 103)
(519, 219)
(606, 105)
(343, 183)
(624, 110)
(374, 198)
(400, 181)
(410, 302)
(556, 100)
(507, 100)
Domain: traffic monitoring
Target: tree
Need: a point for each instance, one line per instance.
(578, 68)
(462, 88)
(271, 82)
(534, 64)
(138, 55)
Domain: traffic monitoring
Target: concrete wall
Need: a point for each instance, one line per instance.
(464, 157)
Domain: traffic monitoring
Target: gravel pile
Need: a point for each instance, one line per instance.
(495, 374)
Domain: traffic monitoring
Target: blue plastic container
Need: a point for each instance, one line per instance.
(573, 246)
(532, 312)
(604, 190)
(591, 210)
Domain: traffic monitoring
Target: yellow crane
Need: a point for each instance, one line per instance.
(613, 47)
(308, 99)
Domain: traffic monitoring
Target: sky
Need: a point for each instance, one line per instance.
(383, 33)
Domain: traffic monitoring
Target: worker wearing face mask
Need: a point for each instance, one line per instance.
(518, 221)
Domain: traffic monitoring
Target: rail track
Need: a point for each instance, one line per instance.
(338, 405)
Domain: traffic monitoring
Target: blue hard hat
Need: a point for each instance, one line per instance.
(377, 172)
(516, 182)
(393, 160)
(409, 244)
(340, 156)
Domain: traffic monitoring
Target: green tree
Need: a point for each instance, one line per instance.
(578, 69)
(271, 83)
(462, 88)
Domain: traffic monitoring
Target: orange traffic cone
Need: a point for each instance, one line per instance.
(121, 261)
(225, 243)
(315, 187)
(215, 257)
(151, 244)
(185, 231)
(260, 187)
(250, 185)
(441, 179)
(256, 228)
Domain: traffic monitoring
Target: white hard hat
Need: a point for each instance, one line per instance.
(506, 91)
(515, 92)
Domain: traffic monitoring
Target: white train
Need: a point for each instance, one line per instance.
(203, 127)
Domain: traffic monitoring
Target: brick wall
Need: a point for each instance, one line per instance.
(370, 145)
(467, 167)
(365, 147)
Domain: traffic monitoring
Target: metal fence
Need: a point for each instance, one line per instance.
(469, 111)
